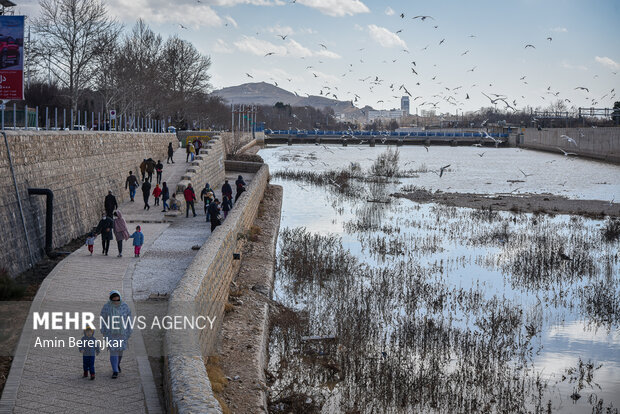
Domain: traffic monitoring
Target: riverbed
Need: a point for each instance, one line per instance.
(400, 306)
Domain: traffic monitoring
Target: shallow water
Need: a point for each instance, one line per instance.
(431, 291)
(468, 172)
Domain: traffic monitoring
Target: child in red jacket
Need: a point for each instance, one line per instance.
(157, 194)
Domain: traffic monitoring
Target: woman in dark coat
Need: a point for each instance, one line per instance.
(106, 229)
(170, 154)
(240, 187)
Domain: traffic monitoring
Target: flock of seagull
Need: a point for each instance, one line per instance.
(449, 95)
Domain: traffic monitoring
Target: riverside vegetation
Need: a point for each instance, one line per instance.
(410, 307)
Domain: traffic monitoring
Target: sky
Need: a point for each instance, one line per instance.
(363, 50)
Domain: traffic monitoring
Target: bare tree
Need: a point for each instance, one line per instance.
(69, 35)
(184, 70)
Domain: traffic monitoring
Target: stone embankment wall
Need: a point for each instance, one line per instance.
(80, 168)
(205, 286)
(207, 167)
(598, 143)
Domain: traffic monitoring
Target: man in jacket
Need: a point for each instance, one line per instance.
(132, 183)
(190, 196)
(105, 228)
(110, 204)
(159, 168)
(146, 193)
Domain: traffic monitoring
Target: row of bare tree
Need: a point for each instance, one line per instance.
(81, 53)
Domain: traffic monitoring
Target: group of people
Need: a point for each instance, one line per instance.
(114, 226)
(192, 149)
(212, 205)
(158, 192)
(115, 326)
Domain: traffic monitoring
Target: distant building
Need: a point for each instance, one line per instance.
(404, 105)
(385, 115)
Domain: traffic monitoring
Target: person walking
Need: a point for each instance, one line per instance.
(110, 204)
(143, 168)
(214, 213)
(159, 168)
(226, 205)
(156, 194)
(190, 197)
(188, 144)
(170, 154)
(240, 184)
(117, 333)
(138, 241)
(120, 231)
(89, 348)
(206, 195)
(165, 195)
(150, 168)
(132, 183)
(226, 189)
(146, 192)
(192, 151)
(105, 228)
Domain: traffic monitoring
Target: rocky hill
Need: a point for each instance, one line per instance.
(262, 93)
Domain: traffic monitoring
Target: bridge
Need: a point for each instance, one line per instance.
(386, 138)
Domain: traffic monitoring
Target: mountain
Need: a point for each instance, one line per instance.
(262, 93)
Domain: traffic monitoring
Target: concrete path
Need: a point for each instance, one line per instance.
(49, 379)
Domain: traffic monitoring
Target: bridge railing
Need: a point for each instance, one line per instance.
(422, 134)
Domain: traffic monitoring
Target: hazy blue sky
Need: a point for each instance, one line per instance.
(362, 38)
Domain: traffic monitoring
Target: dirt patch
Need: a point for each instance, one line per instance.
(524, 203)
(245, 328)
(13, 315)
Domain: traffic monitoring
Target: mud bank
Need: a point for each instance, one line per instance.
(245, 328)
(524, 203)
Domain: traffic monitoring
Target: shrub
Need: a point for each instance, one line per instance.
(611, 231)
(386, 164)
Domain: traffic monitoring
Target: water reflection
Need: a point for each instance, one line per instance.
(393, 306)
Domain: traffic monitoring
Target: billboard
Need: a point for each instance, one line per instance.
(11, 57)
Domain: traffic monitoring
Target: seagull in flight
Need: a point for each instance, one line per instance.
(532, 46)
(549, 38)
(249, 76)
(569, 139)
(270, 53)
(526, 175)
(182, 27)
(582, 88)
(422, 17)
(566, 154)
(283, 36)
(322, 45)
(441, 170)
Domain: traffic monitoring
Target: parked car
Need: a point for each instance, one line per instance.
(80, 128)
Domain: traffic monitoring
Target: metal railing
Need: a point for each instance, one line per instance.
(62, 119)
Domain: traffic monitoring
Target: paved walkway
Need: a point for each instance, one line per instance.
(49, 379)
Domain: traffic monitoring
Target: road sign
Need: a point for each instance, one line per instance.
(112, 114)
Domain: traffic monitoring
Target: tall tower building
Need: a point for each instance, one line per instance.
(404, 105)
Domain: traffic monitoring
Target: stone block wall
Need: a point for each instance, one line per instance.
(208, 167)
(598, 143)
(79, 167)
(205, 285)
